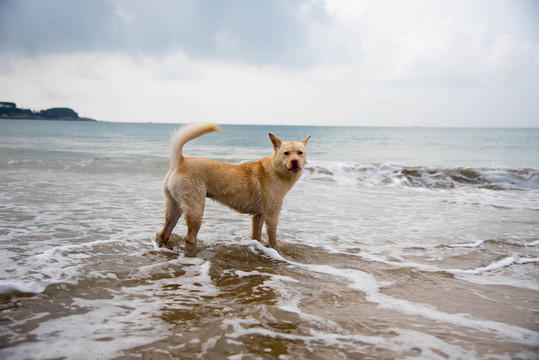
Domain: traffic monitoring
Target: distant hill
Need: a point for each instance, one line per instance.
(9, 110)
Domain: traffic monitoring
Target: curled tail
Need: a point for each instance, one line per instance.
(184, 134)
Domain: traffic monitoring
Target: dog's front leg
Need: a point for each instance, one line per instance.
(256, 230)
(271, 227)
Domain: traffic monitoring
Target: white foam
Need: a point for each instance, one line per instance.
(478, 243)
(63, 264)
(501, 280)
(241, 274)
(367, 284)
(494, 266)
(491, 267)
(135, 321)
(401, 342)
(25, 287)
(169, 267)
(483, 275)
(210, 343)
(351, 173)
(92, 334)
(256, 246)
(527, 260)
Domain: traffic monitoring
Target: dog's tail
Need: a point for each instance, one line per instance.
(184, 134)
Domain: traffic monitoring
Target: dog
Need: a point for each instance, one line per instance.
(257, 188)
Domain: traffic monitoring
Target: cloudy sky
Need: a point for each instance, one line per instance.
(305, 62)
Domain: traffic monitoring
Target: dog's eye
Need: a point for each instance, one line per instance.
(300, 152)
(286, 153)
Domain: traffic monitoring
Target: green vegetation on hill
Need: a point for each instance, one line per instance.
(9, 110)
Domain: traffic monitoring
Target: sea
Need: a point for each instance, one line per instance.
(396, 243)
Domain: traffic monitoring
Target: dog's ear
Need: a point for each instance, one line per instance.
(275, 141)
(304, 141)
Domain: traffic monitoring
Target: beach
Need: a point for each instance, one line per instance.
(396, 243)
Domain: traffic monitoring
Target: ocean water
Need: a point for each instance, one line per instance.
(397, 243)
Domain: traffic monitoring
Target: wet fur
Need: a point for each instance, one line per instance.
(257, 188)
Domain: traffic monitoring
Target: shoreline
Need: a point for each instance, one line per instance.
(48, 119)
(9, 110)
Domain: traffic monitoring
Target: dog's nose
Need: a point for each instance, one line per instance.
(294, 162)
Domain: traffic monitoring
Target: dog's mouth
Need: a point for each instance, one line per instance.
(295, 168)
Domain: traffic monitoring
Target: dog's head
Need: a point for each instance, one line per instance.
(289, 156)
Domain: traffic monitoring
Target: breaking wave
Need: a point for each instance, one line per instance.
(342, 173)
(495, 178)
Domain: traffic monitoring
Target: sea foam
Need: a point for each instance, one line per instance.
(350, 173)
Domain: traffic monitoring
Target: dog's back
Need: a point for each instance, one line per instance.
(236, 186)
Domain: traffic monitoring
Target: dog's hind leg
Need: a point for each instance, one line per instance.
(194, 210)
(193, 219)
(256, 230)
(172, 214)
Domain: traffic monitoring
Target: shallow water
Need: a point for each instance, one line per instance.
(403, 257)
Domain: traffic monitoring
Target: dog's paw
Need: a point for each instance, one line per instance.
(174, 241)
(170, 244)
(157, 241)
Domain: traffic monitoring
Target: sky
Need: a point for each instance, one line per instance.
(471, 63)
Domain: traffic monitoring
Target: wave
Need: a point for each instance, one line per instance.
(342, 173)
(495, 178)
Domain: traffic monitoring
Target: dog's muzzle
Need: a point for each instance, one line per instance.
(295, 168)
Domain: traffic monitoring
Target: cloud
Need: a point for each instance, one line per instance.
(36, 27)
(342, 62)
(392, 41)
(177, 89)
(429, 46)
(260, 32)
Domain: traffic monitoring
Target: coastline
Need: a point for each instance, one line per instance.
(9, 110)
(47, 119)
